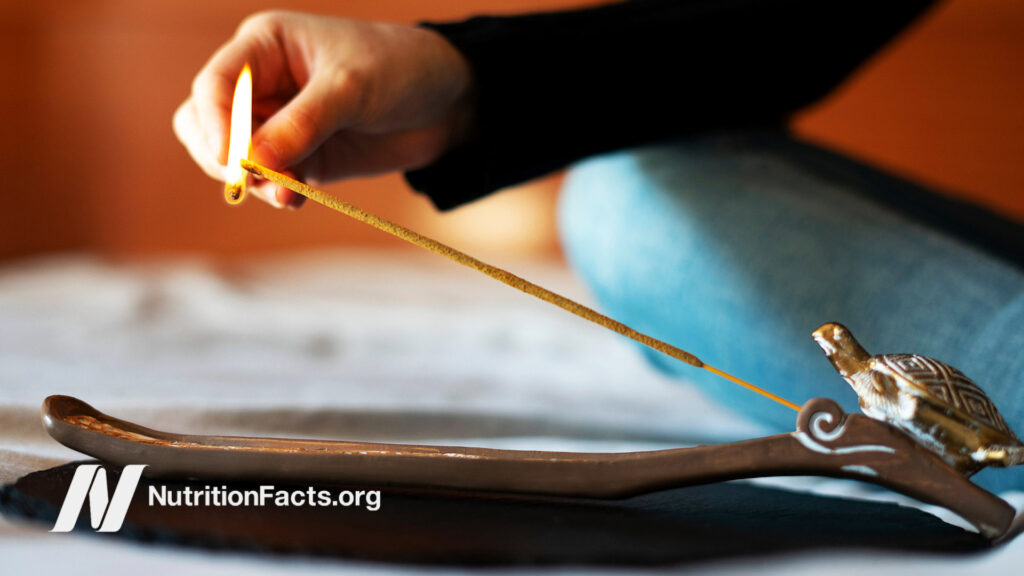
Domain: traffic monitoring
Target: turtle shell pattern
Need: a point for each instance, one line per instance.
(945, 386)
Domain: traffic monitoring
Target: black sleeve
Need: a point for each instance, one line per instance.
(555, 87)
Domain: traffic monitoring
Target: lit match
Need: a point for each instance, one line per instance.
(241, 138)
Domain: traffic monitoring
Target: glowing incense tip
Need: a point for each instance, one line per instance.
(241, 137)
(751, 387)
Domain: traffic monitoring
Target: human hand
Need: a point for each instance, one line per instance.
(332, 98)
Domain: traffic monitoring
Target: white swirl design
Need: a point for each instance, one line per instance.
(820, 419)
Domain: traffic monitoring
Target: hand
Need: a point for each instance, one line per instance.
(332, 98)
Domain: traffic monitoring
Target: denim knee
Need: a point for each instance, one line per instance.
(736, 250)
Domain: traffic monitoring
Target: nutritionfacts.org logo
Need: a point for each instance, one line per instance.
(223, 496)
(107, 512)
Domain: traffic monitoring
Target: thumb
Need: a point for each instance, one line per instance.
(326, 104)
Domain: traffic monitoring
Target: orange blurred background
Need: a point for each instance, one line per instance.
(89, 161)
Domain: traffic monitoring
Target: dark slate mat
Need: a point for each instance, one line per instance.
(450, 527)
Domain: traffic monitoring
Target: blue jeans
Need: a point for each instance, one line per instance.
(735, 247)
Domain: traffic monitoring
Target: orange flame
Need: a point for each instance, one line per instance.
(241, 137)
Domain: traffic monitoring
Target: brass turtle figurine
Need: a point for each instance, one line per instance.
(936, 404)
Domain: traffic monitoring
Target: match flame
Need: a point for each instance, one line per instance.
(241, 137)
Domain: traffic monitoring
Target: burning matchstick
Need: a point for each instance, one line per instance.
(241, 138)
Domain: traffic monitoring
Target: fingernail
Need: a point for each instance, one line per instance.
(281, 196)
(275, 197)
(268, 193)
(296, 202)
(289, 198)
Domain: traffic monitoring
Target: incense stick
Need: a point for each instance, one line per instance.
(499, 274)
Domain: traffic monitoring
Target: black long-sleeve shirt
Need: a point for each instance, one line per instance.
(556, 87)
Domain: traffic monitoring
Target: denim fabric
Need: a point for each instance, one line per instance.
(735, 247)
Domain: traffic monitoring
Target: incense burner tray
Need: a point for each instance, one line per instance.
(826, 442)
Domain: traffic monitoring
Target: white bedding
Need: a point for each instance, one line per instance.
(372, 346)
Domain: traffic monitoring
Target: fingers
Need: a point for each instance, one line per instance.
(289, 199)
(329, 102)
(348, 154)
(332, 98)
(188, 129)
(277, 196)
(213, 90)
(202, 122)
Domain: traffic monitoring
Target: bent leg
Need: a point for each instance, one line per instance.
(737, 247)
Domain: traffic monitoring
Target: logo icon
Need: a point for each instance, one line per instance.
(105, 512)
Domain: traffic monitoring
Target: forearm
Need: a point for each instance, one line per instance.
(556, 87)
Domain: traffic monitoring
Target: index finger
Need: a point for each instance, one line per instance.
(255, 43)
(212, 92)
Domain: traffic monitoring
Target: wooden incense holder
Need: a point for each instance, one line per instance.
(826, 442)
